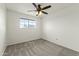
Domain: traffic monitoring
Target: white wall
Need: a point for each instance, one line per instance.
(62, 27)
(18, 35)
(2, 28)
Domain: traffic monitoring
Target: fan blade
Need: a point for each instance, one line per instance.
(31, 10)
(39, 8)
(35, 5)
(44, 12)
(46, 7)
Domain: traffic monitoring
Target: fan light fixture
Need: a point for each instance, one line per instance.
(39, 10)
(40, 13)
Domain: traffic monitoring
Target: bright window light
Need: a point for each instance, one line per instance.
(32, 24)
(26, 23)
(23, 23)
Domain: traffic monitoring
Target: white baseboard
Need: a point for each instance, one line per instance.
(57, 43)
(3, 51)
(20, 42)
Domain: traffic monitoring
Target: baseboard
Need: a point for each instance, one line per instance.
(61, 45)
(3, 51)
(21, 42)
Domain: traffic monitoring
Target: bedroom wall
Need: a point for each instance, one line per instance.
(18, 35)
(2, 28)
(62, 26)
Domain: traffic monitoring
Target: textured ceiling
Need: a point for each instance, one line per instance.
(24, 7)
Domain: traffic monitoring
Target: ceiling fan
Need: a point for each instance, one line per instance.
(40, 10)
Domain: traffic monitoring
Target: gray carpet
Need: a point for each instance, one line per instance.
(38, 47)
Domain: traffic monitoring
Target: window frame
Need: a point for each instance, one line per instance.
(28, 23)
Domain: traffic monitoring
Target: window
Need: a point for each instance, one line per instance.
(32, 24)
(27, 23)
(23, 23)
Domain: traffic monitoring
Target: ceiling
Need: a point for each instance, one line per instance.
(21, 7)
(24, 7)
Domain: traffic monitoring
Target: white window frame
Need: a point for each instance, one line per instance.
(28, 24)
